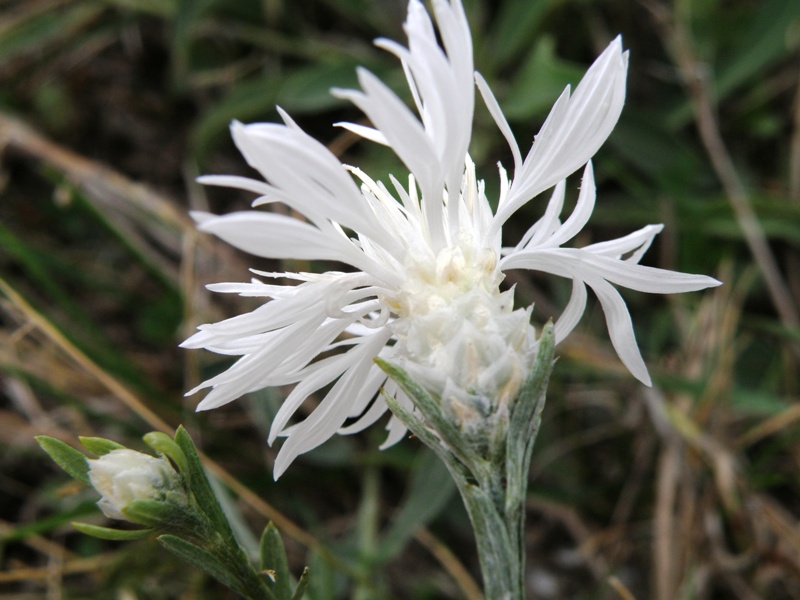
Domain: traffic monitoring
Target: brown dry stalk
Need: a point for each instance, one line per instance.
(677, 37)
(79, 565)
(451, 564)
(665, 525)
(619, 587)
(129, 207)
(772, 425)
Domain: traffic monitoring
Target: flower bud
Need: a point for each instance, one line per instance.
(474, 354)
(122, 476)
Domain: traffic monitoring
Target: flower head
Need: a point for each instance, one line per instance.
(426, 256)
(123, 475)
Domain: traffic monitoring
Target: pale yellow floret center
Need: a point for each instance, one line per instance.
(432, 284)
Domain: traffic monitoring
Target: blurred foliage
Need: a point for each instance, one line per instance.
(110, 108)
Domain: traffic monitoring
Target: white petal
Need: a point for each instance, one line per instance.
(368, 133)
(573, 262)
(544, 227)
(375, 412)
(255, 289)
(638, 277)
(583, 210)
(309, 178)
(399, 126)
(272, 235)
(240, 183)
(326, 371)
(573, 311)
(500, 120)
(620, 328)
(638, 240)
(328, 417)
(575, 129)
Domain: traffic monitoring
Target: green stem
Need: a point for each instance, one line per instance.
(492, 477)
(501, 556)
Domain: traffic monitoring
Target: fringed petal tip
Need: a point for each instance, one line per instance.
(201, 217)
(212, 400)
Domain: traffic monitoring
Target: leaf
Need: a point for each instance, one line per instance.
(432, 413)
(644, 143)
(34, 32)
(99, 446)
(199, 486)
(309, 89)
(160, 8)
(303, 90)
(540, 81)
(763, 39)
(429, 491)
(164, 444)
(107, 533)
(165, 516)
(302, 585)
(202, 559)
(325, 585)
(247, 100)
(66, 457)
(526, 417)
(188, 15)
(273, 558)
(514, 29)
(233, 514)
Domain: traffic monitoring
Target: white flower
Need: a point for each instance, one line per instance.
(123, 475)
(427, 258)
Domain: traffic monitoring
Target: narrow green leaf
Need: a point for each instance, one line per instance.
(432, 413)
(160, 8)
(232, 510)
(413, 423)
(309, 89)
(66, 457)
(763, 42)
(99, 446)
(46, 30)
(303, 90)
(302, 585)
(201, 488)
(273, 558)
(539, 82)
(326, 583)
(526, 413)
(202, 559)
(514, 29)
(107, 533)
(246, 101)
(164, 444)
(162, 515)
(184, 24)
(767, 39)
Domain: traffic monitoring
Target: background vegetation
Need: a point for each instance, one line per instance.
(110, 108)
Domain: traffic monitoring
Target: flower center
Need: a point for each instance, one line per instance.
(434, 284)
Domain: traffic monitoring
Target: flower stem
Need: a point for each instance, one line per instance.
(492, 477)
